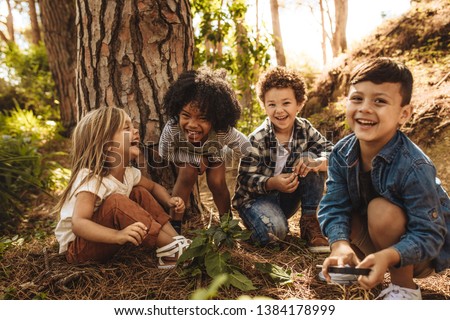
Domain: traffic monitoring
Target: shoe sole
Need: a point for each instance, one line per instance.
(322, 249)
(339, 278)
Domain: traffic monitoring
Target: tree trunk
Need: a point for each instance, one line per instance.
(278, 41)
(9, 24)
(58, 21)
(35, 29)
(324, 33)
(339, 42)
(129, 52)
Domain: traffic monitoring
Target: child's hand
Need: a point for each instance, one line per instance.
(379, 264)
(307, 164)
(134, 233)
(177, 205)
(285, 182)
(341, 254)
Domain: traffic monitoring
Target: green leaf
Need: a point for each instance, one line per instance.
(233, 224)
(243, 235)
(211, 291)
(197, 248)
(216, 263)
(240, 281)
(276, 273)
(218, 237)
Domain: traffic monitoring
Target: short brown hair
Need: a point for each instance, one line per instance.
(281, 77)
(380, 70)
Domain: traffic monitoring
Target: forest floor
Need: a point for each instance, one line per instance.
(33, 269)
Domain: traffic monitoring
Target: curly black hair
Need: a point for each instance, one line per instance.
(280, 77)
(209, 91)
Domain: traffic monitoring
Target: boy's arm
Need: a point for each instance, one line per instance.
(426, 226)
(317, 143)
(336, 207)
(251, 177)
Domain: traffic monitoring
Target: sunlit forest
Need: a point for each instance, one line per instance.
(61, 59)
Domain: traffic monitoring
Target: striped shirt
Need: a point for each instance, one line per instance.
(174, 146)
(256, 168)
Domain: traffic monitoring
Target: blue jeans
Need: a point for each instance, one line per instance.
(269, 213)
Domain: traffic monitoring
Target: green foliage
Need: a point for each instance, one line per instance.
(433, 50)
(6, 242)
(223, 40)
(209, 253)
(276, 273)
(30, 80)
(21, 163)
(212, 290)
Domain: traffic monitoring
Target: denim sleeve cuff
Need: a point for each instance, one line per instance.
(337, 233)
(409, 253)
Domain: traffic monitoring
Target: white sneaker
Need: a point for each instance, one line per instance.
(394, 292)
(340, 278)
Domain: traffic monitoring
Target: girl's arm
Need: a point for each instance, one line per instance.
(161, 195)
(84, 227)
(166, 148)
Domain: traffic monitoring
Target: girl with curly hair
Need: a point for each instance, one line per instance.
(203, 111)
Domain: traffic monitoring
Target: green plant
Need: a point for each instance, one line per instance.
(30, 76)
(23, 123)
(6, 242)
(224, 40)
(212, 290)
(209, 252)
(276, 273)
(21, 164)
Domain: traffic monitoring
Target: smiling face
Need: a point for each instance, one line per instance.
(124, 146)
(374, 112)
(194, 124)
(281, 107)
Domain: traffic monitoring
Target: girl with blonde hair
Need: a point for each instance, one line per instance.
(107, 202)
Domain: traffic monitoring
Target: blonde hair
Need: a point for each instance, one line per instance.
(90, 139)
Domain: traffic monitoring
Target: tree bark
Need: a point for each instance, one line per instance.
(35, 29)
(129, 52)
(324, 33)
(58, 21)
(10, 23)
(339, 41)
(278, 41)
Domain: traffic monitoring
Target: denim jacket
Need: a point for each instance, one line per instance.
(402, 174)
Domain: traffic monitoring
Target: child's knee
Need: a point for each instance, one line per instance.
(384, 216)
(216, 182)
(115, 199)
(187, 176)
(266, 229)
(218, 186)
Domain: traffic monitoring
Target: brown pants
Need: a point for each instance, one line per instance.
(118, 212)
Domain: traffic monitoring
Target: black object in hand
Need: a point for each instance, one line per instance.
(348, 270)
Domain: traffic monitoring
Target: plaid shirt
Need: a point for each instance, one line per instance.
(256, 168)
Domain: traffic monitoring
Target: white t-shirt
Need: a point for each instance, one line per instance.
(109, 185)
(282, 155)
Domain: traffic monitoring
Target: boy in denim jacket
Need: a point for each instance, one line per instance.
(383, 200)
